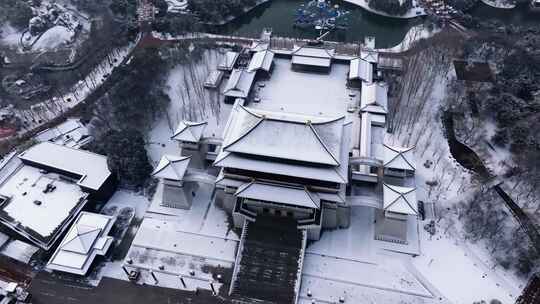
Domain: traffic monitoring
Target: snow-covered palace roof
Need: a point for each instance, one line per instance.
(172, 167)
(295, 196)
(374, 97)
(261, 60)
(91, 167)
(279, 135)
(369, 56)
(228, 61)
(361, 69)
(239, 84)
(87, 237)
(400, 199)
(189, 131)
(399, 158)
(312, 56)
(297, 145)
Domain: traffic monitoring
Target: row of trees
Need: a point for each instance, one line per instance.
(485, 219)
(121, 118)
(15, 12)
(392, 7)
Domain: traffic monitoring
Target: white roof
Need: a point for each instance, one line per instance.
(369, 56)
(86, 238)
(313, 56)
(311, 61)
(374, 94)
(278, 135)
(261, 60)
(172, 167)
(239, 84)
(336, 174)
(29, 209)
(257, 46)
(189, 131)
(309, 51)
(361, 69)
(294, 196)
(228, 61)
(69, 133)
(399, 158)
(400, 199)
(92, 167)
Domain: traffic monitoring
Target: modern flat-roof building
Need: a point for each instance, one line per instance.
(86, 239)
(45, 187)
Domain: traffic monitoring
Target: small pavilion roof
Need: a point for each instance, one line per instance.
(361, 69)
(295, 196)
(189, 131)
(172, 167)
(369, 56)
(399, 158)
(400, 199)
(81, 239)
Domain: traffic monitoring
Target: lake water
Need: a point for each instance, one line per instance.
(280, 15)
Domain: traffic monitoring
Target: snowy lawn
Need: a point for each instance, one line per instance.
(189, 101)
(447, 262)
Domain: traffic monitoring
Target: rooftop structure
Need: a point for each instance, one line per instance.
(401, 200)
(188, 131)
(370, 56)
(87, 238)
(361, 69)
(39, 205)
(213, 80)
(261, 60)
(239, 84)
(315, 57)
(296, 196)
(90, 169)
(228, 62)
(172, 167)
(71, 133)
(374, 97)
(399, 158)
(263, 141)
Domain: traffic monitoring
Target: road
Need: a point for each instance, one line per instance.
(48, 289)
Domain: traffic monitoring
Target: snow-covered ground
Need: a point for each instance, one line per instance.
(189, 101)
(416, 33)
(461, 271)
(19, 251)
(53, 38)
(9, 35)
